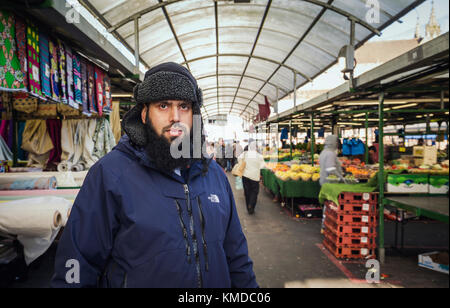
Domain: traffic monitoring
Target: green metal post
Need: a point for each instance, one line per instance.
(367, 138)
(313, 139)
(290, 136)
(381, 177)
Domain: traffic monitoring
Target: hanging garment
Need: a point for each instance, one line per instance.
(284, 134)
(62, 72)
(99, 89)
(22, 155)
(88, 159)
(103, 138)
(21, 39)
(4, 127)
(69, 72)
(37, 142)
(11, 76)
(115, 121)
(44, 58)
(77, 79)
(346, 147)
(54, 130)
(107, 104)
(54, 71)
(33, 60)
(84, 87)
(5, 152)
(68, 129)
(91, 89)
(358, 147)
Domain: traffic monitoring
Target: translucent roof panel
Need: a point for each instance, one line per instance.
(256, 53)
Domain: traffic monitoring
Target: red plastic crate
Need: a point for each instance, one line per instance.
(355, 231)
(349, 252)
(351, 218)
(351, 241)
(348, 208)
(358, 198)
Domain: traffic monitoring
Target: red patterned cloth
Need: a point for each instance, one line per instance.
(99, 89)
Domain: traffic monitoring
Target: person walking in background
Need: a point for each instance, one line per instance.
(229, 156)
(254, 162)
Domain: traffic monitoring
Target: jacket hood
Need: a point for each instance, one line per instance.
(331, 142)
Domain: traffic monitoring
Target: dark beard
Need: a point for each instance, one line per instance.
(158, 150)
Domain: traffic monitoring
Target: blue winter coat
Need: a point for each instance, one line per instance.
(135, 226)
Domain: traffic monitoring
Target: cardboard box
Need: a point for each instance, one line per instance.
(438, 184)
(408, 183)
(428, 154)
(437, 261)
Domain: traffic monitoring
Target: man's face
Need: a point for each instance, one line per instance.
(169, 118)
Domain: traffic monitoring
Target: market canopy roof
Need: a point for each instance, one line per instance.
(243, 50)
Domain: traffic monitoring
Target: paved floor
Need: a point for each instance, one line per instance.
(288, 252)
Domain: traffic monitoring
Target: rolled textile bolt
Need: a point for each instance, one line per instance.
(57, 220)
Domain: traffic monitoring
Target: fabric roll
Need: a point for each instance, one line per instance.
(78, 167)
(36, 221)
(69, 74)
(54, 130)
(91, 88)
(62, 72)
(33, 60)
(64, 166)
(5, 152)
(21, 39)
(44, 58)
(54, 70)
(99, 89)
(23, 170)
(13, 183)
(77, 82)
(11, 76)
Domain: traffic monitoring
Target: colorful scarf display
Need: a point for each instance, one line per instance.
(33, 60)
(69, 71)
(77, 79)
(11, 76)
(99, 89)
(107, 104)
(84, 87)
(44, 57)
(91, 88)
(54, 71)
(62, 72)
(21, 39)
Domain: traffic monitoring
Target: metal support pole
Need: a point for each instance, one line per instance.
(367, 138)
(381, 251)
(290, 137)
(136, 45)
(313, 139)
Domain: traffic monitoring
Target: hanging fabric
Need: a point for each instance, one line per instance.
(5, 152)
(77, 79)
(115, 121)
(44, 58)
(25, 103)
(99, 89)
(107, 104)
(11, 76)
(33, 60)
(91, 89)
(54, 71)
(84, 87)
(22, 155)
(69, 72)
(4, 127)
(62, 72)
(37, 142)
(54, 130)
(103, 138)
(21, 39)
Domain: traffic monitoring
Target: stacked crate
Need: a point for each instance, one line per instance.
(351, 226)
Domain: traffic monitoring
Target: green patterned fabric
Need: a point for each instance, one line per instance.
(331, 191)
(11, 76)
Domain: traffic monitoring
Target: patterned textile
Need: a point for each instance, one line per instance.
(66, 110)
(91, 89)
(44, 57)
(62, 72)
(21, 39)
(33, 60)
(11, 76)
(77, 79)
(69, 71)
(107, 104)
(46, 109)
(99, 89)
(54, 130)
(103, 138)
(84, 87)
(24, 103)
(53, 48)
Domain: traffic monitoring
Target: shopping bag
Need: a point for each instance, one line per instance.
(239, 185)
(238, 170)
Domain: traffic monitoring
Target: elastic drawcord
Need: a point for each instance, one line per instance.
(205, 246)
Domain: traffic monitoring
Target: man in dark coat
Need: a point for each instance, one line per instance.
(145, 218)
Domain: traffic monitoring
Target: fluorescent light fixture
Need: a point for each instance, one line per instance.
(419, 116)
(121, 95)
(325, 107)
(349, 123)
(404, 106)
(389, 101)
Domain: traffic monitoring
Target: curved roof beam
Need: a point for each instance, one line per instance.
(248, 56)
(253, 91)
(246, 76)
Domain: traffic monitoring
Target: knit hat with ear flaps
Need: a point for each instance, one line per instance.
(167, 81)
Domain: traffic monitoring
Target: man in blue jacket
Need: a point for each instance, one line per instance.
(146, 219)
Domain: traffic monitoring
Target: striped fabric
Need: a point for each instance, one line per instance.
(69, 71)
(44, 57)
(53, 48)
(99, 89)
(62, 72)
(107, 104)
(84, 87)
(33, 60)
(91, 89)
(77, 79)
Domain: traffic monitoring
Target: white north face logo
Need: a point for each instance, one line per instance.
(213, 198)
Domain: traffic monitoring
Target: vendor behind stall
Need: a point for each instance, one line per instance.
(329, 163)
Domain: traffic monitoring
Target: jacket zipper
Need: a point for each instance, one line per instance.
(194, 238)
